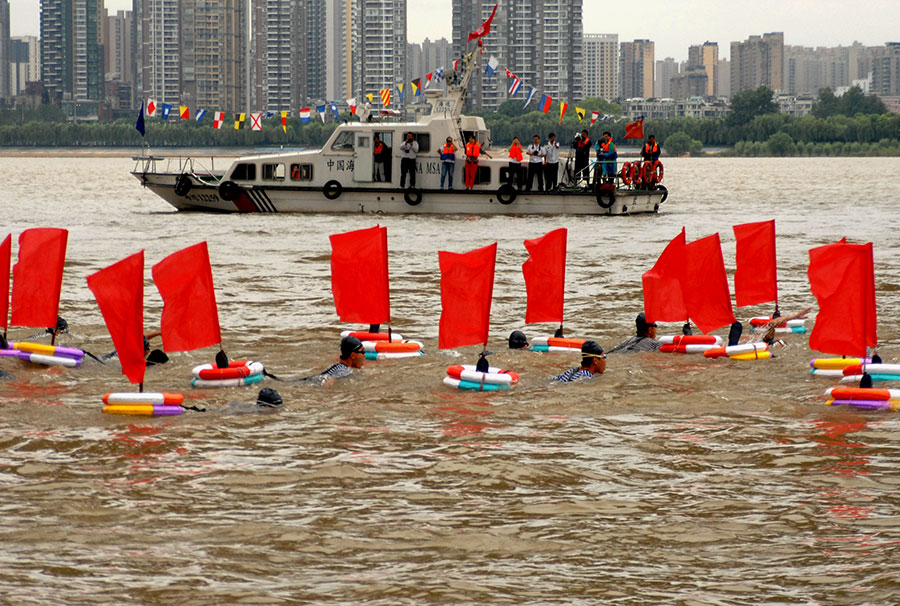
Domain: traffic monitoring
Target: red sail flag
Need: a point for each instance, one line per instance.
(545, 277)
(485, 27)
(663, 301)
(755, 279)
(842, 278)
(359, 276)
(634, 130)
(5, 256)
(467, 286)
(37, 277)
(190, 318)
(119, 290)
(704, 285)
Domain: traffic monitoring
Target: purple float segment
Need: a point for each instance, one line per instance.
(14, 353)
(167, 411)
(865, 404)
(49, 350)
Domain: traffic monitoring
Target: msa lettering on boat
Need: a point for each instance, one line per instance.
(340, 165)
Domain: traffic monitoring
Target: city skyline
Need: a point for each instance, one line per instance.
(673, 26)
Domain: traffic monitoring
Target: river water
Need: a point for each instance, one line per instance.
(669, 480)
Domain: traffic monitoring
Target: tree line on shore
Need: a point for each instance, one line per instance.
(853, 124)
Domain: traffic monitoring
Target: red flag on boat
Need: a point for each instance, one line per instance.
(663, 301)
(119, 290)
(37, 277)
(5, 257)
(755, 279)
(545, 277)
(704, 285)
(467, 286)
(634, 130)
(485, 27)
(359, 276)
(842, 278)
(190, 318)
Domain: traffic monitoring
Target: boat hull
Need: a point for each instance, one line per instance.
(381, 200)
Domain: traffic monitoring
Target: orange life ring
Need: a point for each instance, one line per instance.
(647, 173)
(637, 175)
(627, 171)
(237, 369)
(658, 172)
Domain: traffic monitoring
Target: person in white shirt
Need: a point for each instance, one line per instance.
(535, 163)
(551, 163)
(408, 150)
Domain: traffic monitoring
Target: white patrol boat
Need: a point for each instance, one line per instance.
(340, 177)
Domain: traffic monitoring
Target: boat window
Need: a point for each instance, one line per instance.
(244, 172)
(301, 172)
(424, 141)
(344, 141)
(273, 172)
(483, 175)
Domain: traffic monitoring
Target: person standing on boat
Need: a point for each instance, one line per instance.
(607, 156)
(448, 162)
(650, 151)
(514, 171)
(593, 362)
(408, 150)
(582, 147)
(473, 151)
(379, 155)
(535, 163)
(551, 163)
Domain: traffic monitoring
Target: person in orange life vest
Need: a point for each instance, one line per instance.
(582, 147)
(514, 171)
(607, 155)
(448, 162)
(650, 151)
(379, 155)
(473, 150)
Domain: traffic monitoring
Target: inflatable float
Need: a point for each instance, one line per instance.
(688, 343)
(238, 373)
(878, 372)
(464, 376)
(833, 367)
(791, 326)
(363, 335)
(150, 404)
(387, 350)
(864, 398)
(556, 345)
(47, 355)
(747, 351)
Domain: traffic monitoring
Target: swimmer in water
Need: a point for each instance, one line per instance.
(352, 356)
(593, 362)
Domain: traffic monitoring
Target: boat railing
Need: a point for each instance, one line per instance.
(197, 167)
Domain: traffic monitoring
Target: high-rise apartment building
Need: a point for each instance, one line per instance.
(117, 47)
(427, 57)
(693, 82)
(4, 50)
(724, 76)
(378, 46)
(706, 56)
(339, 48)
(157, 44)
(281, 58)
(24, 62)
(758, 61)
(666, 69)
(601, 66)
(315, 33)
(886, 70)
(541, 41)
(71, 49)
(636, 64)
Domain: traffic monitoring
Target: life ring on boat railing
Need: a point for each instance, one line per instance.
(413, 197)
(627, 173)
(665, 192)
(658, 171)
(637, 175)
(332, 189)
(506, 194)
(229, 190)
(606, 197)
(183, 184)
(647, 175)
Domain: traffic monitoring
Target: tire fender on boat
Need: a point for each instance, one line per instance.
(182, 184)
(506, 194)
(332, 189)
(229, 190)
(665, 192)
(606, 197)
(413, 197)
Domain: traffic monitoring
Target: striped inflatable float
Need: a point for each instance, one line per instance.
(47, 355)
(688, 343)
(464, 376)
(864, 398)
(833, 367)
(747, 351)
(150, 404)
(239, 372)
(878, 372)
(387, 350)
(556, 345)
(791, 326)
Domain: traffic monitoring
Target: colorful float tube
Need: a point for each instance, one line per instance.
(147, 398)
(833, 367)
(48, 350)
(787, 330)
(763, 320)
(36, 358)
(363, 335)
(755, 355)
(392, 346)
(374, 355)
(753, 349)
(143, 410)
(690, 344)
(864, 398)
(238, 373)
(464, 376)
(556, 345)
(878, 372)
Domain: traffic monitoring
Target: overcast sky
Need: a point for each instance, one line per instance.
(672, 24)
